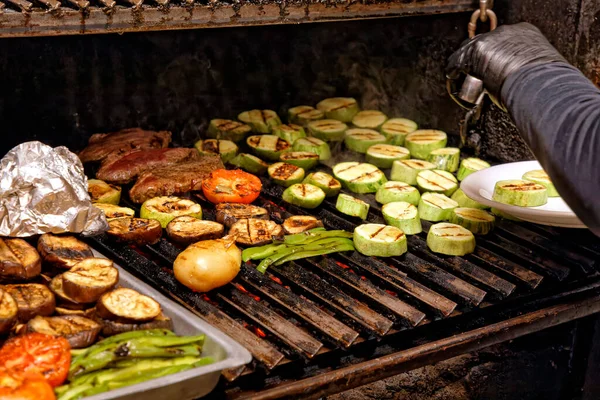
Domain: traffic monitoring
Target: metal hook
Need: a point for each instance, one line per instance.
(477, 16)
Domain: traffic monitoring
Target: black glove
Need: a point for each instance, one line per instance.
(493, 56)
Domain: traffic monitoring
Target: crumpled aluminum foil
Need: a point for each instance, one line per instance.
(44, 190)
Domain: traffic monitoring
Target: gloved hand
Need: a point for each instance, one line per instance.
(493, 56)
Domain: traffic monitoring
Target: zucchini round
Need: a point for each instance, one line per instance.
(302, 159)
(359, 177)
(249, 163)
(384, 155)
(304, 195)
(479, 222)
(285, 174)
(329, 130)
(261, 121)
(402, 215)
(450, 239)
(379, 240)
(393, 191)
(359, 140)
(540, 176)
(224, 148)
(228, 130)
(406, 170)
(437, 181)
(520, 193)
(422, 142)
(436, 207)
(268, 147)
(352, 206)
(446, 158)
(369, 119)
(395, 130)
(325, 182)
(470, 165)
(163, 209)
(289, 132)
(340, 108)
(464, 201)
(102, 192)
(313, 145)
(302, 115)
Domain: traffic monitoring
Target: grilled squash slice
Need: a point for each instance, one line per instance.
(90, 279)
(18, 260)
(254, 232)
(229, 213)
(62, 251)
(135, 230)
(301, 223)
(127, 306)
(187, 230)
(32, 299)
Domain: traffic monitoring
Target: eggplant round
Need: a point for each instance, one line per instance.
(127, 306)
(32, 299)
(18, 260)
(186, 230)
(62, 251)
(90, 279)
(301, 223)
(255, 232)
(89, 312)
(135, 230)
(110, 328)
(63, 300)
(79, 331)
(8, 312)
(229, 213)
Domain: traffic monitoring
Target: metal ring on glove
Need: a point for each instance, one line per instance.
(477, 16)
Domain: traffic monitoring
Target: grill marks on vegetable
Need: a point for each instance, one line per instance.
(524, 187)
(382, 233)
(285, 171)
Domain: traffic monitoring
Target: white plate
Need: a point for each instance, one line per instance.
(480, 186)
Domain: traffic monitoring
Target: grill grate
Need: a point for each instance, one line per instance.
(302, 311)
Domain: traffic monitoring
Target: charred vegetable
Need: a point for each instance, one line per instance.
(62, 251)
(302, 159)
(268, 147)
(395, 130)
(302, 115)
(111, 328)
(136, 230)
(254, 232)
(450, 239)
(325, 182)
(422, 142)
(379, 240)
(407, 170)
(102, 192)
(289, 133)
(352, 206)
(402, 215)
(112, 211)
(384, 155)
(62, 299)
(359, 177)
(229, 213)
(446, 158)
(520, 193)
(209, 264)
(89, 279)
(32, 299)
(300, 223)
(313, 145)
(359, 140)
(469, 166)
(340, 108)
(79, 331)
(303, 195)
(226, 149)
(249, 163)
(127, 306)
(8, 312)
(187, 230)
(540, 176)
(285, 174)
(329, 130)
(224, 186)
(479, 222)
(369, 119)
(261, 121)
(18, 260)
(228, 130)
(164, 209)
(437, 181)
(393, 191)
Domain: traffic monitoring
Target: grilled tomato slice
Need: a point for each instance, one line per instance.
(224, 186)
(37, 352)
(20, 385)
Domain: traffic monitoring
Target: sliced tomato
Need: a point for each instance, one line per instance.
(21, 385)
(231, 186)
(35, 352)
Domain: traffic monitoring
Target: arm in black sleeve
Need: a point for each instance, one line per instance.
(557, 110)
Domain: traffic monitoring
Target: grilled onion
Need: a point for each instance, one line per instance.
(89, 279)
(127, 306)
(79, 331)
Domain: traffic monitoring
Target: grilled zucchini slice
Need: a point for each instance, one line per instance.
(254, 232)
(32, 299)
(470, 165)
(224, 148)
(135, 230)
(395, 130)
(436, 207)
(289, 132)
(352, 206)
(379, 240)
(330, 130)
(113, 211)
(303, 195)
(479, 222)
(392, 191)
(422, 142)
(127, 306)
(18, 260)
(302, 115)
(407, 170)
(437, 181)
(268, 147)
(359, 177)
(340, 108)
(541, 177)
(230, 213)
(384, 155)
(446, 158)
(163, 209)
(249, 163)
(402, 215)
(302, 159)
(369, 119)
(79, 331)
(325, 182)
(450, 239)
(300, 223)
(62, 251)
(465, 201)
(102, 192)
(261, 121)
(285, 174)
(313, 145)
(359, 140)
(227, 129)
(8, 312)
(186, 230)
(90, 279)
(520, 193)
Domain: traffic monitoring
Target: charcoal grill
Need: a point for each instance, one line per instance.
(321, 325)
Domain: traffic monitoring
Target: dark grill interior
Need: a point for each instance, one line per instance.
(333, 309)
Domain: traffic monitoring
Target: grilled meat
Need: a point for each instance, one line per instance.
(174, 179)
(103, 145)
(124, 169)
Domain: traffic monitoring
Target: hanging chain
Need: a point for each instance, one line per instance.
(484, 14)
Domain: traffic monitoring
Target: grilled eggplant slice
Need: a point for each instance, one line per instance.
(135, 230)
(301, 223)
(64, 301)
(254, 232)
(187, 230)
(102, 192)
(90, 279)
(62, 251)
(127, 306)
(32, 299)
(18, 260)
(79, 331)
(110, 328)
(8, 312)
(88, 313)
(112, 211)
(229, 213)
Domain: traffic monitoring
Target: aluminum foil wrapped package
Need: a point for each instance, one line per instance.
(44, 189)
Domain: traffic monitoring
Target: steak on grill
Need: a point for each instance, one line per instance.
(103, 145)
(124, 169)
(174, 179)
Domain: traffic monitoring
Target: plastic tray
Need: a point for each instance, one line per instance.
(190, 384)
